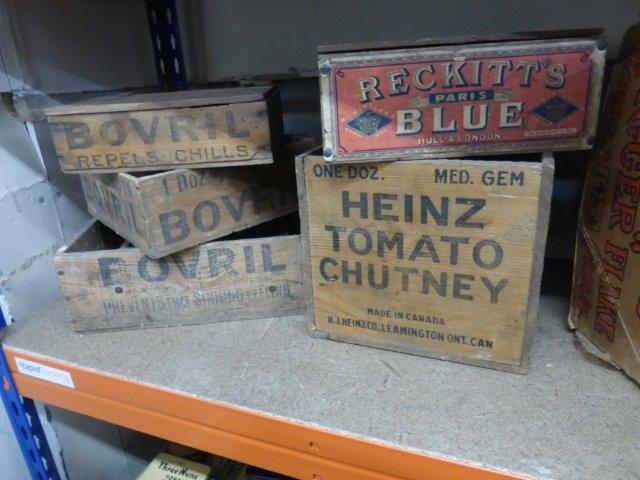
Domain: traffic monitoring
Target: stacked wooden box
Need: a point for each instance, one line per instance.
(427, 255)
(405, 244)
(605, 301)
(166, 175)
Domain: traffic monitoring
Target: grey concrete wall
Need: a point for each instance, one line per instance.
(91, 45)
(75, 45)
(29, 236)
(245, 37)
(30, 232)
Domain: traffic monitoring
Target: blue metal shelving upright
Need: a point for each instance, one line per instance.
(167, 44)
(26, 425)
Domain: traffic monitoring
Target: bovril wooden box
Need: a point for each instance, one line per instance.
(163, 213)
(440, 258)
(160, 131)
(109, 286)
(461, 96)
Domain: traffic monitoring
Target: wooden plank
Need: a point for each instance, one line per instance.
(127, 102)
(460, 100)
(460, 40)
(166, 212)
(117, 200)
(218, 281)
(438, 258)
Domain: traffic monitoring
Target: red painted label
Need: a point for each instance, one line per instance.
(453, 104)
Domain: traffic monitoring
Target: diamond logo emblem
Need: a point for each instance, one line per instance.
(554, 110)
(368, 122)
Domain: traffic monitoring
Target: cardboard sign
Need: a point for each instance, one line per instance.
(438, 258)
(108, 288)
(170, 467)
(461, 99)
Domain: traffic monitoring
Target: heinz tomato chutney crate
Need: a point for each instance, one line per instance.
(438, 258)
(109, 285)
(165, 212)
(461, 96)
(160, 131)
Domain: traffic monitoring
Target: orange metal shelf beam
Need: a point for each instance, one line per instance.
(295, 449)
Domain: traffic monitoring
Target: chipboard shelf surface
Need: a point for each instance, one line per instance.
(265, 392)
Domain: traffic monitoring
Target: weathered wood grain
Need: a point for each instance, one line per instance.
(166, 212)
(460, 40)
(162, 100)
(439, 258)
(121, 288)
(149, 136)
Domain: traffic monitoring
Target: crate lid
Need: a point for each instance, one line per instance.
(162, 100)
(461, 40)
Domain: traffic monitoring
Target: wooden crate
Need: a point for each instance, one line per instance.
(440, 258)
(163, 213)
(462, 96)
(109, 286)
(605, 302)
(160, 131)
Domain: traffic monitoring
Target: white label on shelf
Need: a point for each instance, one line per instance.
(43, 372)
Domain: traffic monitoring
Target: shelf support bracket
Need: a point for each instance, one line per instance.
(166, 43)
(26, 424)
